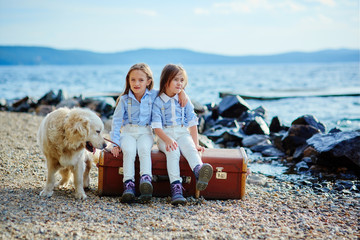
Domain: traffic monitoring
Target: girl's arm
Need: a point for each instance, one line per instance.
(171, 144)
(183, 98)
(116, 125)
(194, 134)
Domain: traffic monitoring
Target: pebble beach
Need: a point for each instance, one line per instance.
(271, 209)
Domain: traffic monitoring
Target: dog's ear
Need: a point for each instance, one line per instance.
(77, 128)
(82, 126)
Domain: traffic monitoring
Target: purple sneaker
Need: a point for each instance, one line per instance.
(177, 193)
(203, 174)
(129, 192)
(146, 188)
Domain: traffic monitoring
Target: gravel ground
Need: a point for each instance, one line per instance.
(270, 210)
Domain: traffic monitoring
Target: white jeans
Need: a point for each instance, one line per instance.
(186, 147)
(136, 139)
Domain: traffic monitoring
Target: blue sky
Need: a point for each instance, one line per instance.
(232, 27)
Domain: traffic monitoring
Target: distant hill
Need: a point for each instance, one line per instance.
(18, 55)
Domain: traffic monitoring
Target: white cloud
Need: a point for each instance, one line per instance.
(145, 12)
(320, 18)
(330, 3)
(201, 11)
(324, 19)
(295, 7)
(250, 6)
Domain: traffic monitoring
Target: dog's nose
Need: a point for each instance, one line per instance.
(104, 145)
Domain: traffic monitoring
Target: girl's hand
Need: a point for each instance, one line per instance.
(116, 151)
(183, 99)
(200, 148)
(171, 145)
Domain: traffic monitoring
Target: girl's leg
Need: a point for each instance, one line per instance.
(128, 147)
(203, 172)
(144, 145)
(187, 148)
(172, 162)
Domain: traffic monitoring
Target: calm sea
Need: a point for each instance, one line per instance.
(205, 83)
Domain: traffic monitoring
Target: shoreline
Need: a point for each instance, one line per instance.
(271, 208)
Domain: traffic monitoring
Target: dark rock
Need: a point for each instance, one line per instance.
(198, 107)
(301, 166)
(51, 98)
(297, 136)
(338, 187)
(254, 139)
(310, 152)
(232, 144)
(227, 122)
(276, 139)
(256, 126)
(248, 116)
(335, 130)
(215, 132)
(69, 103)
(201, 125)
(233, 135)
(307, 160)
(206, 122)
(215, 113)
(276, 125)
(23, 105)
(205, 142)
(226, 134)
(338, 149)
(210, 106)
(272, 152)
(43, 110)
(102, 107)
(261, 146)
(311, 121)
(267, 149)
(232, 106)
(261, 111)
(299, 151)
(346, 184)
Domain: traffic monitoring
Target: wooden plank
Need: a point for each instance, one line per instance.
(275, 95)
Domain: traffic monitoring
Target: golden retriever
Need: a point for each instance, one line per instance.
(63, 136)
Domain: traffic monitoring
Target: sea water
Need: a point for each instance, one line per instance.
(207, 81)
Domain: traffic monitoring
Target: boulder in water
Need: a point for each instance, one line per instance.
(339, 148)
(309, 120)
(232, 106)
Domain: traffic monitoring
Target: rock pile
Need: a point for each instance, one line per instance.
(304, 146)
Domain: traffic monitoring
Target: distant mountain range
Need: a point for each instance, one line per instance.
(19, 55)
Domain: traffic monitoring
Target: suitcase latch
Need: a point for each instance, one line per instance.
(121, 170)
(220, 174)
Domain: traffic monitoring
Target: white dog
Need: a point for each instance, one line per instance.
(63, 136)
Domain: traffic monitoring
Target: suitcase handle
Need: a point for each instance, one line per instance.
(165, 178)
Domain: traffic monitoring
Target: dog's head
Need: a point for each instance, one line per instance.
(84, 128)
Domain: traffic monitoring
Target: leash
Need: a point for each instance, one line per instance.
(111, 142)
(105, 149)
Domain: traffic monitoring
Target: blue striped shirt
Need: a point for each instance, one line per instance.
(172, 113)
(131, 111)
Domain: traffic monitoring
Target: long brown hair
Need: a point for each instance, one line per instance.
(168, 73)
(143, 67)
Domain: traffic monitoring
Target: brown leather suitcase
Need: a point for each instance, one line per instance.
(228, 181)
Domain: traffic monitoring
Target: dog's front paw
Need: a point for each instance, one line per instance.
(46, 193)
(80, 195)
